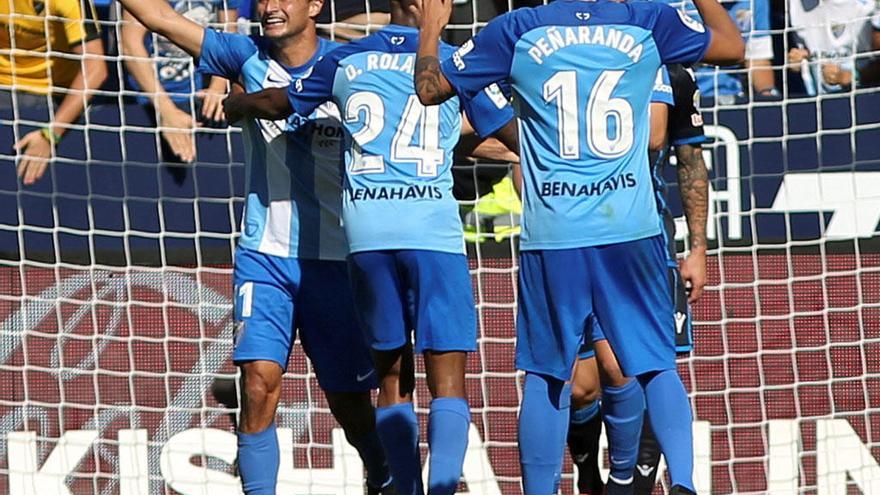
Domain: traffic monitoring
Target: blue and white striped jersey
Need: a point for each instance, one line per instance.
(293, 168)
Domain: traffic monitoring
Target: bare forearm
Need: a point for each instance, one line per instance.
(659, 126)
(158, 16)
(727, 46)
(493, 149)
(693, 184)
(88, 80)
(142, 70)
(431, 86)
(270, 104)
(761, 73)
(509, 135)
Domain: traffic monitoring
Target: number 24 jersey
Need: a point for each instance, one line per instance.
(397, 192)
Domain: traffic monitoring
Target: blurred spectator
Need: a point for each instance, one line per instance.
(164, 74)
(828, 36)
(352, 19)
(753, 19)
(51, 60)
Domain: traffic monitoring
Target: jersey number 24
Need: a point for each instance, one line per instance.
(416, 120)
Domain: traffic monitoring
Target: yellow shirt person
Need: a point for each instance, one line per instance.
(49, 47)
(41, 27)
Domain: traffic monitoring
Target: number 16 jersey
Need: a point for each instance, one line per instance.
(582, 74)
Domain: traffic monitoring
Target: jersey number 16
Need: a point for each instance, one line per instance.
(601, 111)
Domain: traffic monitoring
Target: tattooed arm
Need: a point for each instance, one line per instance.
(693, 183)
(431, 85)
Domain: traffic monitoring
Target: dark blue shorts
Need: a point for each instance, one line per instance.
(624, 285)
(401, 291)
(274, 296)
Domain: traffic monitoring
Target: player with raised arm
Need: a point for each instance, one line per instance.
(289, 265)
(581, 74)
(407, 262)
(675, 122)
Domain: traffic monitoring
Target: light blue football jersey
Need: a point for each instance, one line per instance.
(397, 192)
(582, 75)
(293, 168)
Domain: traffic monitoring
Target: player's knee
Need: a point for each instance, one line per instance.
(396, 372)
(612, 376)
(609, 368)
(445, 372)
(261, 388)
(353, 411)
(584, 394)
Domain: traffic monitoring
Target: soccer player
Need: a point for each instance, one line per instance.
(289, 265)
(407, 262)
(675, 122)
(581, 74)
(622, 399)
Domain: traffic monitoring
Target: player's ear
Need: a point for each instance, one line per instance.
(315, 7)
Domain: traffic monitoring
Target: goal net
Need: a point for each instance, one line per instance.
(116, 301)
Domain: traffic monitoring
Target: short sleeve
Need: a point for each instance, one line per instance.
(685, 121)
(314, 88)
(224, 54)
(679, 37)
(483, 60)
(488, 111)
(662, 92)
(79, 18)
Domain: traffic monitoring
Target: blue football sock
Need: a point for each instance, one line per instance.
(670, 417)
(398, 428)
(258, 458)
(543, 426)
(447, 440)
(584, 414)
(369, 448)
(623, 409)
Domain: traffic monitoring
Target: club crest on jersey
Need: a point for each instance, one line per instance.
(690, 22)
(457, 57)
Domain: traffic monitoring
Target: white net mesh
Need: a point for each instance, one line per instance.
(115, 299)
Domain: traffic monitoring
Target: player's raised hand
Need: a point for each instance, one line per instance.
(433, 16)
(693, 273)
